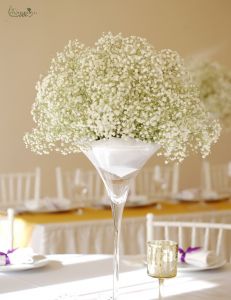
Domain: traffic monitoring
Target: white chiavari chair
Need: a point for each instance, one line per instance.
(15, 190)
(158, 181)
(216, 178)
(83, 186)
(209, 236)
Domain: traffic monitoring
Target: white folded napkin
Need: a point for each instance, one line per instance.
(196, 194)
(17, 256)
(48, 204)
(189, 194)
(132, 199)
(137, 198)
(199, 257)
(209, 194)
(58, 203)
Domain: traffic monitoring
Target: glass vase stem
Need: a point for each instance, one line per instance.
(117, 213)
(161, 282)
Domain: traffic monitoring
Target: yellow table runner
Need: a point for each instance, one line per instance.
(24, 223)
(95, 214)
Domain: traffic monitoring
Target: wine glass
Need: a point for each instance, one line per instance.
(162, 261)
(79, 189)
(160, 184)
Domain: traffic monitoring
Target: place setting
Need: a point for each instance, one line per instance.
(191, 260)
(47, 205)
(133, 201)
(21, 259)
(198, 195)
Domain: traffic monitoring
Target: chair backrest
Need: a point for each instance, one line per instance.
(216, 177)
(16, 188)
(79, 185)
(159, 181)
(209, 236)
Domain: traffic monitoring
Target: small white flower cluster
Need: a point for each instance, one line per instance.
(214, 81)
(121, 87)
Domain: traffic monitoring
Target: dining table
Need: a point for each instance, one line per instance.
(90, 230)
(89, 277)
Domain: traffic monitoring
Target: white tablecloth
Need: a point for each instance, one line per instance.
(88, 277)
(96, 236)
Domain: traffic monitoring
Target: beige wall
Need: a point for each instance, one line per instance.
(28, 44)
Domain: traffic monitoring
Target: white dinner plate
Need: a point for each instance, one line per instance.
(128, 204)
(221, 197)
(140, 260)
(140, 203)
(43, 261)
(183, 267)
(47, 209)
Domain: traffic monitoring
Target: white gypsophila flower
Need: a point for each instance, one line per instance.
(121, 87)
(214, 81)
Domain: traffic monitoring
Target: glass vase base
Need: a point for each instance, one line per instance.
(105, 296)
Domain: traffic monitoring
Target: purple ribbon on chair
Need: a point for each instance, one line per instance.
(6, 255)
(188, 250)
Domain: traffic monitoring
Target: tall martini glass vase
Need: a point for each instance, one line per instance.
(118, 161)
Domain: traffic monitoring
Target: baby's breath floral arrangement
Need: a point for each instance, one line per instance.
(120, 87)
(214, 81)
